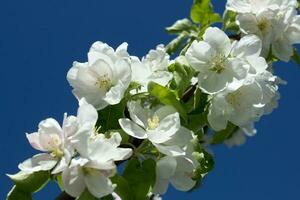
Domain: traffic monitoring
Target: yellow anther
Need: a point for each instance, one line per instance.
(153, 122)
(104, 82)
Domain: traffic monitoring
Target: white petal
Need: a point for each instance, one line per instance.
(161, 186)
(132, 129)
(216, 116)
(258, 63)
(102, 151)
(212, 82)
(63, 163)
(34, 140)
(98, 184)
(102, 48)
(138, 114)
(121, 51)
(239, 5)
(39, 162)
(182, 182)
(293, 32)
(140, 71)
(181, 138)
(166, 167)
(73, 181)
(170, 150)
(164, 111)
(115, 94)
(81, 139)
(282, 49)
(86, 113)
(184, 164)
(165, 130)
(199, 54)
(250, 45)
(122, 71)
(248, 23)
(160, 77)
(218, 40)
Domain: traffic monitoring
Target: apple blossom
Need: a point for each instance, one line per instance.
(275, 22)
(213, 59)
(104, 79)
(239, 137)
(95, 165)
(153, 67)
(176, 170)
(53, 139)
(161, 126)
(242, 102)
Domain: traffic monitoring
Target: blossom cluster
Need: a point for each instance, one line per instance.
(167, 110)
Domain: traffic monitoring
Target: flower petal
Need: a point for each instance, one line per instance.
(73, 181)
(249, 45)
(34, 140)
(132, 129)
(98, 184)
(86, 113)
(166, 167)
(218, 40)
(39, 162)
(199, 54)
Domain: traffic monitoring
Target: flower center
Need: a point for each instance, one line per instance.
(87, 170)
(54, 144)
(263, 25)
(218, 63)
(153, 122)
(104, 82)
(234, 98)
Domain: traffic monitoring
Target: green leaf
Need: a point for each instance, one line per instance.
(206, 163)
(86, 195)
(17, 194)
(221, 136)
(176, 43)
(180, 26)
(109, 116)
(230, 21)
(296, 57)
(182, 73)
(167, 97)
(202, 13)
(197, 122)
(30, 182)
(196, 102)
(123, 189)
(59, 182)
(140, 177)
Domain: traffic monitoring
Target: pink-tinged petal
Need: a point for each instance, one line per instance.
(34, 140)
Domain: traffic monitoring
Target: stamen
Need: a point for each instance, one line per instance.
(153, 122)
(104, 82)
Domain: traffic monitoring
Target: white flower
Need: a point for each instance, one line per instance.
(176, 170)
(53, 139)
(257, 6)
(160, 126)
(104, 78)
(153, 67)
(244, 101)
(239, 137)
(275, 22)
(214, 61)
(95, 165)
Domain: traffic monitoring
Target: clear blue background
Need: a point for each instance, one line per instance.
(40, 39)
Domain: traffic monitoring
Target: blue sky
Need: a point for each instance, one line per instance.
(40, 39)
